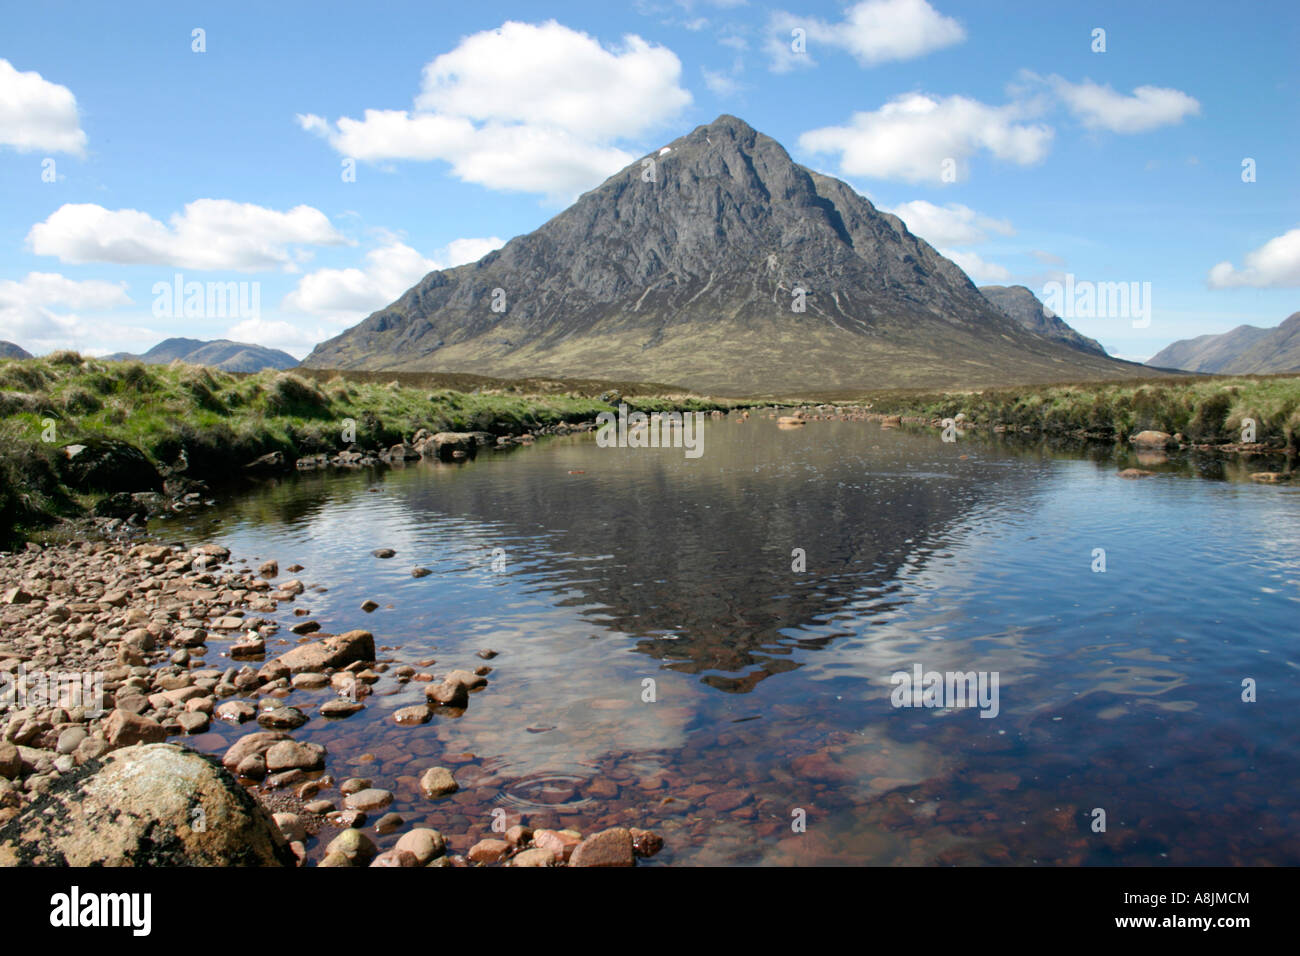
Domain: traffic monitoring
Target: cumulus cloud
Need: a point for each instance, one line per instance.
(207, 234)
(40, 308)
(949, 225)
(873, 31)
(526, 108)
(390, 270)
(916, 138)
(978, 268)
(1275, 264)
(1101, 107)
(37, 114)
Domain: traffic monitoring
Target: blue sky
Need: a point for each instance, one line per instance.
(468, 124)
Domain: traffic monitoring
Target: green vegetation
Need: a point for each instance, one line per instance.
(1205, 410)
(223, 420)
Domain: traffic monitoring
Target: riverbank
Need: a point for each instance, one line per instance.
(105, 645)
(121, 441)
(1230, 414)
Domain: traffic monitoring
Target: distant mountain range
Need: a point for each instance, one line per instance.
(9, 350)
(1025, 307)
(719, 264)
(219, 353)
(1246, 350)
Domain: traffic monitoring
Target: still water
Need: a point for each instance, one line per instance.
(661, 662)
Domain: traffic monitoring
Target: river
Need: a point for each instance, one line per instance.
(708, 647)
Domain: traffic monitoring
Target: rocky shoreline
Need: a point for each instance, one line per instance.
(132, 624)
(1148, 442)
(103, 658)
(126, 510)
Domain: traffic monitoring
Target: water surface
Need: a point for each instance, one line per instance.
(1118, 690)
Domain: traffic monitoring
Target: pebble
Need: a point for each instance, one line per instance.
(354, 846)
(355, 785)
(70, 740)
(559, 843)
(438, 782)
(341, 708)
(194, 722)
(236, 711)
(489, 851)
(291, 826)
(395, 857)
(370, 799)
(348, 818)
(612, 847)
(424, 843)
(295, 755)
(282, 718)
(411, 716)
(533, 857)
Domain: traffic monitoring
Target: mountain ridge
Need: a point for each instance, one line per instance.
(1021, 304)
(224, 354)
(1245, 350)
(683, 267)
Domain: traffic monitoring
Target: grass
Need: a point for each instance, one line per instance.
(1205, 410)
(220, 421)
(223, 420)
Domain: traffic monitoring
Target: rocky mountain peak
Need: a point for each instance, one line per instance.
(714, 262)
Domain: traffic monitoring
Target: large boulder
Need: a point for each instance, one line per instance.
(154, 805)
(338, 651)
(106, 464)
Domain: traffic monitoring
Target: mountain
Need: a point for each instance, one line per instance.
(1246, 350)
(683, 268)
(1023, 306)
(9, 350)
(219, 353)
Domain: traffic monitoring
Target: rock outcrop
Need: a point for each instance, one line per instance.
(1025, 308)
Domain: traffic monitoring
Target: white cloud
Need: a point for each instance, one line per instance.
(1275, 264)
(725, 83)
(873, 31)
(525, 108)
(1047, 258)
(36, 114)
(911, 137)
(208, 234)
(1100, 107)
(950, 225)
(391, 269)
(37, 309)
(979, 269)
